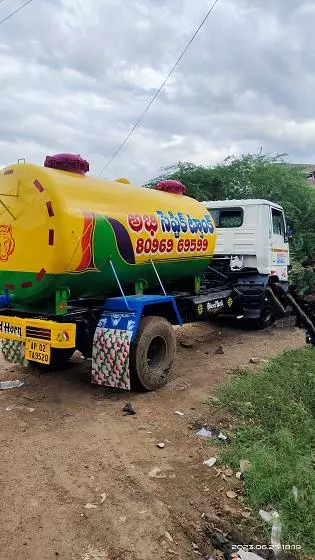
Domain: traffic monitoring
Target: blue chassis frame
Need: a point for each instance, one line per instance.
(131, 308)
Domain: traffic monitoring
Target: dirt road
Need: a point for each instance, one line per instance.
(66, 447)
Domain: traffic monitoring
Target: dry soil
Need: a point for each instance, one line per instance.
(76, 474)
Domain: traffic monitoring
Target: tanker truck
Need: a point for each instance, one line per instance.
(103, 267)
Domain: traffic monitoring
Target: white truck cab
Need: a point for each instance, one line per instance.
(252, 244)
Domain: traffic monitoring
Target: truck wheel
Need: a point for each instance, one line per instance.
(152, 354)
(59, 360)
(310, 339)
(267, 316)
(265, 320)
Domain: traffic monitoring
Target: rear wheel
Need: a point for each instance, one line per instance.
(152, 354)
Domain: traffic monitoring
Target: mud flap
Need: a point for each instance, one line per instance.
(13, 351)
(117, 330)
(111, 348)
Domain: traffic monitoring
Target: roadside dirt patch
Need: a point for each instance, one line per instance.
(66, 444)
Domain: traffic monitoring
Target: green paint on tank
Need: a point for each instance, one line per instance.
(99, 280)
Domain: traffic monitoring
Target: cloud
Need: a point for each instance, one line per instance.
(75, 76)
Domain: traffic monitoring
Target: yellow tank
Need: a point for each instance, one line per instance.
(60, 229)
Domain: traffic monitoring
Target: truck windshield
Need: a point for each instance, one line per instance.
(227, 217)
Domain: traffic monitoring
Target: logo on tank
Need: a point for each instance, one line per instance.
(7, 244)
(165, 230)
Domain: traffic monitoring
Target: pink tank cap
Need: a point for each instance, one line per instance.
(68, 162)
(171, 186)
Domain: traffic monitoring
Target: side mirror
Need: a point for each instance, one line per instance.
(289, 231)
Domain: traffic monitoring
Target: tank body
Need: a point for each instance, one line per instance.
(63, 230)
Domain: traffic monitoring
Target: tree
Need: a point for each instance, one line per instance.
(260, 176)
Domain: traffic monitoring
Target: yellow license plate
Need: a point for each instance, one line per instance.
(37, 351)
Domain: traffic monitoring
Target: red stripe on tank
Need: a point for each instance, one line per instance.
(9, 287)
(38, 185)
(8, 172)
(26, 284)
(50, 209)
(87, 260)
(51, 236)
(40, 275)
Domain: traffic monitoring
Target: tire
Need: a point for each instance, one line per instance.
(59, 360)
(152, 354)
(265, 320)
(267, 316)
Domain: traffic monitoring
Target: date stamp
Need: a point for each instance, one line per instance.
(258, 547)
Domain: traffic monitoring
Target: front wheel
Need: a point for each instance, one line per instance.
(266, 318)
(152, 354)
(267, 315)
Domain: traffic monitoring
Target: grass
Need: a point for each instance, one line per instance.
(275, 431)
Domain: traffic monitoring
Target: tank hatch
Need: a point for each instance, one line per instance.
(68, 162)
(171, 186)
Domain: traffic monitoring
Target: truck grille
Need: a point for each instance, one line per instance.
(36, 332)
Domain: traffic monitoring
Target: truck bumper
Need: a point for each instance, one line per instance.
(26, 339)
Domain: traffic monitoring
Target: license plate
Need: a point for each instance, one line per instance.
(37, 351)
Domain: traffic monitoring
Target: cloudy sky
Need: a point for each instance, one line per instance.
(76, 74)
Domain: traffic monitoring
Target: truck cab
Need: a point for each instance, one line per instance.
(252, 245)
